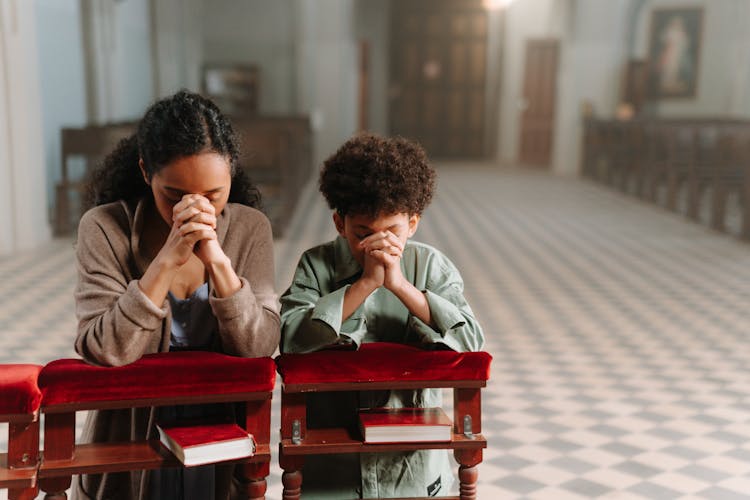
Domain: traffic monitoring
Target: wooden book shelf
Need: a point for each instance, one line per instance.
(120, 457)
(343, 440)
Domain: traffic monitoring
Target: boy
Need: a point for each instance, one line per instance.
(371, 284)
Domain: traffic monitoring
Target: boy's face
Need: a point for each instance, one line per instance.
(354, 228)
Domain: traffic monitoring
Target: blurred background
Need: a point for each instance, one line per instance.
(594, 191)
(503, 81)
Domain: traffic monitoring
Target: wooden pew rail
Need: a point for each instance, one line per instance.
(380, 366)
(69, 386)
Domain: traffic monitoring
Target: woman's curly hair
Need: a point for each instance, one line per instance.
(372, 175)
(183, 124)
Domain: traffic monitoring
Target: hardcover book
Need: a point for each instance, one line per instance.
(403, 425)
(200, 444)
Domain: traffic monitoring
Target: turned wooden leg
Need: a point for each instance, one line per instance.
(293, 427)
(256, 489)
(60, 495)
(468, 482)
(55, 488)
(251, 481)
(292, 481)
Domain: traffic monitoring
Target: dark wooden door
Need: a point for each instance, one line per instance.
(437, 75)
(538, 105)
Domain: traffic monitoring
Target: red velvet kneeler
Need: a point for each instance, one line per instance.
(383, 362)
(19, 393)
(163, 375)
(20, 399)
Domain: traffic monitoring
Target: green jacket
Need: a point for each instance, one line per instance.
(311, 319)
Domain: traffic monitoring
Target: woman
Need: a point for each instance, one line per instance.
(174, 256)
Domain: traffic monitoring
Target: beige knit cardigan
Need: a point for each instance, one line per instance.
(117, 323)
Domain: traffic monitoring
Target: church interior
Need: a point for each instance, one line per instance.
(593, 163)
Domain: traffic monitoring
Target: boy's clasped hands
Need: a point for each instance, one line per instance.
(382, 260)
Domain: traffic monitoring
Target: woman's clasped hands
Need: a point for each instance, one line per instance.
(193, 232)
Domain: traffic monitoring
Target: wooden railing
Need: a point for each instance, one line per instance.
(691, 166)
(64, 387)
(277, 155)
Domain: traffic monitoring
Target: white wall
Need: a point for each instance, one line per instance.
(593, 56)
(255, 32)
(23, 207)
(327, 75)
(591, 35)
(61, 73)
(117, 46)
(524, 19)
(373, 26)
(177, 35)
(307, 54)
(132, 58)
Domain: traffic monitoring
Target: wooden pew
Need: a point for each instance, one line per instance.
(276, 152)
(656, 157)
(20, 399)
(91, 143)
(194, 377)
(380, 366)
(731, 175)
(704, 157)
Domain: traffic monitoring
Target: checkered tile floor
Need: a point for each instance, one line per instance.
(620, 333)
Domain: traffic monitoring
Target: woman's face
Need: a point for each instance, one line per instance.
(207, 174)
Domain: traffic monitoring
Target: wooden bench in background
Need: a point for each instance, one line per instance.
(276, 153)
(695, 163)
(91, 144)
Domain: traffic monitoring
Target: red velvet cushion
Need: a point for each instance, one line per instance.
(172, 374)
(383, 362)
(19, 393)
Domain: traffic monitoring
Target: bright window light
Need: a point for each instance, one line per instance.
(497, 4)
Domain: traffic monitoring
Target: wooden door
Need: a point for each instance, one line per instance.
(538, 104)
(437, 75)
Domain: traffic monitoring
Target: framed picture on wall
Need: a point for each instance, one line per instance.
(674, 52)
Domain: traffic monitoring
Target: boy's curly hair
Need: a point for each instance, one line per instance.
(371, 175)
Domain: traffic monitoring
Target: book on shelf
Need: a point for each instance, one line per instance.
(206, 443)
(403, 425)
